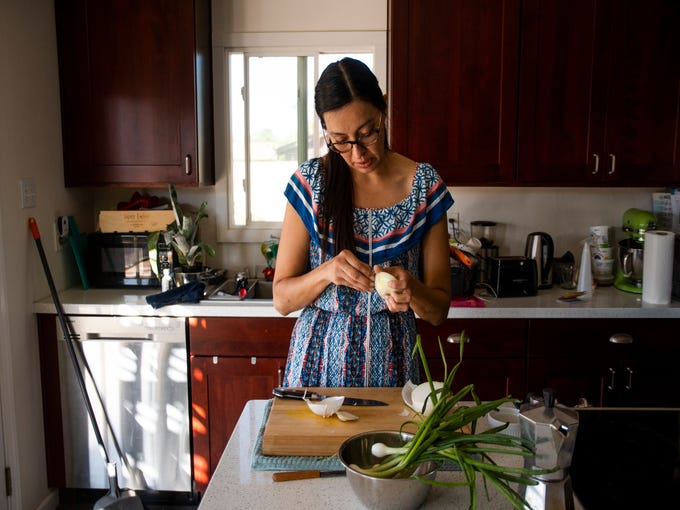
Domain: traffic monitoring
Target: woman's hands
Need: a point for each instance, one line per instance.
(346, 269)
(399, 298)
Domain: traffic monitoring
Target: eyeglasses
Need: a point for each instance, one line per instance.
(365, 140)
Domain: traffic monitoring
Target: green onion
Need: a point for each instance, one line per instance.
(440, 437)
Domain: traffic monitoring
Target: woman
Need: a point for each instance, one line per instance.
(360, 208)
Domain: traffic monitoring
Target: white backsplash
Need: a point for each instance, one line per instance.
(564, 213)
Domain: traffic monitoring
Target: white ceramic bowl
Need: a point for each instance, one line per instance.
(509, 414)
(414, 396)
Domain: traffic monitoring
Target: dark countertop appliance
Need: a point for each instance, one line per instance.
(540, 247)
(513, 276)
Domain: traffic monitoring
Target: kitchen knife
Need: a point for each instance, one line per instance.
(284, 476)
(311, 395)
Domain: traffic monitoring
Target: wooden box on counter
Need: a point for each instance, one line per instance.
(135, 221)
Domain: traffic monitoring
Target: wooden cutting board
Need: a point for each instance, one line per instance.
(293, 429)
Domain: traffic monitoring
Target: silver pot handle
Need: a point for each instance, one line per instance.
(454, 338)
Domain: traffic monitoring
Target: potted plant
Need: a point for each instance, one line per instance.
(182, 235)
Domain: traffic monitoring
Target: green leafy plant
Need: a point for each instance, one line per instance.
(447, 434)
(182, 235)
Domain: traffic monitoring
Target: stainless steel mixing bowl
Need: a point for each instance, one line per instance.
(630, 259)
(383, 493)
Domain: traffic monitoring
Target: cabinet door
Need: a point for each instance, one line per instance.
(642, 99)
(233, 360)
(493, 356)
(135, 95)
(453, 86)
(622, 362)
(599, 93)
(556, 80)
(220, 388)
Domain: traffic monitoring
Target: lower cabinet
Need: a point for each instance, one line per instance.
(232, 361)
(608, 362)
(494, 354)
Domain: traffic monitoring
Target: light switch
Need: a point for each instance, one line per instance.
(29, 196)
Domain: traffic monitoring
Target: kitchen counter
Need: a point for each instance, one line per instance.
(236, 485)
(607, 302)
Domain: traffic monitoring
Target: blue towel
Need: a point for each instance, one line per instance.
(191, 292)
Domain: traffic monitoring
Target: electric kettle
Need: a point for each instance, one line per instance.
(540, 247)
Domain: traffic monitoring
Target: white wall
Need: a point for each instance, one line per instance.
(30, 146)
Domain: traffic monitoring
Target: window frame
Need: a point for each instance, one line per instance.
(272, 44)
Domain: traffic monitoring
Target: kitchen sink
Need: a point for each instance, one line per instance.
(258, 290)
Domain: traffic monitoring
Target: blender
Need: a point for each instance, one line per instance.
(485, 231)
(630, 250)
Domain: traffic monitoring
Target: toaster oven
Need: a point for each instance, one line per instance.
(118, 260)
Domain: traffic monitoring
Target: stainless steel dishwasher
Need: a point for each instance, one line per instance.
(141, 399)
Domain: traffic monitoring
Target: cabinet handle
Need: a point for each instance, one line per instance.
(187, 164)
(454, 338)
(612, 374)
(621, 338)
(613, 168)
(629, 384)
(280, 376)
(597, 163)
(216, 360)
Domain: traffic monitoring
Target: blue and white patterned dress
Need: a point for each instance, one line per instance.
(329, 341)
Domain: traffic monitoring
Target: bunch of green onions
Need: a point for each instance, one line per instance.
(441, 437)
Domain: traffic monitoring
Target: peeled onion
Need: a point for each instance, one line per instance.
(326, 407)
(381, 283)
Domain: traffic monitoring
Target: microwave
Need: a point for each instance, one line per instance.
(118, 260)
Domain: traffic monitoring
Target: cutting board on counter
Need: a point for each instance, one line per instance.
(292, 428)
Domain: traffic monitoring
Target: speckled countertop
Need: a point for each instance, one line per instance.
(235, 485)
(607, 302)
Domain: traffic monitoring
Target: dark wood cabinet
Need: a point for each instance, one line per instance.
(494, 355)
(136, 92)
(538, 92)
(598, 93)
(232, 361)
(453, 86)
(608, 362)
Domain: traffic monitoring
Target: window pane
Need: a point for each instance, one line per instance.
(273, 103)
(238, 140)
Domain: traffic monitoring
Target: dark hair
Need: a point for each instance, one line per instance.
(341, 83)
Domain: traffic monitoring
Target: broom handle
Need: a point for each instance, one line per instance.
(68, 336)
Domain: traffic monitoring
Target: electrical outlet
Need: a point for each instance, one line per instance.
(60, 232)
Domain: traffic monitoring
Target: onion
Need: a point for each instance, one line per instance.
(382, 280)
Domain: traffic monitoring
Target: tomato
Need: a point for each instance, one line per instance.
(268, 273)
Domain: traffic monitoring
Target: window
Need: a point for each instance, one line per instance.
(273, 128)
(265, 123)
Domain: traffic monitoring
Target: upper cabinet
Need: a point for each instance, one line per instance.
(599, 83)
(136, 94)
(538, 92)
(453, 86)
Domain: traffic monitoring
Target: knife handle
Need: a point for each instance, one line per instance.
(289, 393)
(285, 476)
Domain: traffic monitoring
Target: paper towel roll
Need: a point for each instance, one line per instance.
(657, 267)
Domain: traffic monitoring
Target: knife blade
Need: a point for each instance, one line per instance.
(284, 476)
(312, 395)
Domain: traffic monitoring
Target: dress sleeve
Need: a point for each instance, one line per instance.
(302, 194)
(439, 199)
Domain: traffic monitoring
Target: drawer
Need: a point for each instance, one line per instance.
(487, 338)
(240, 336)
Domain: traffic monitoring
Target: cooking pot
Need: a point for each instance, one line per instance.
(541, 248)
